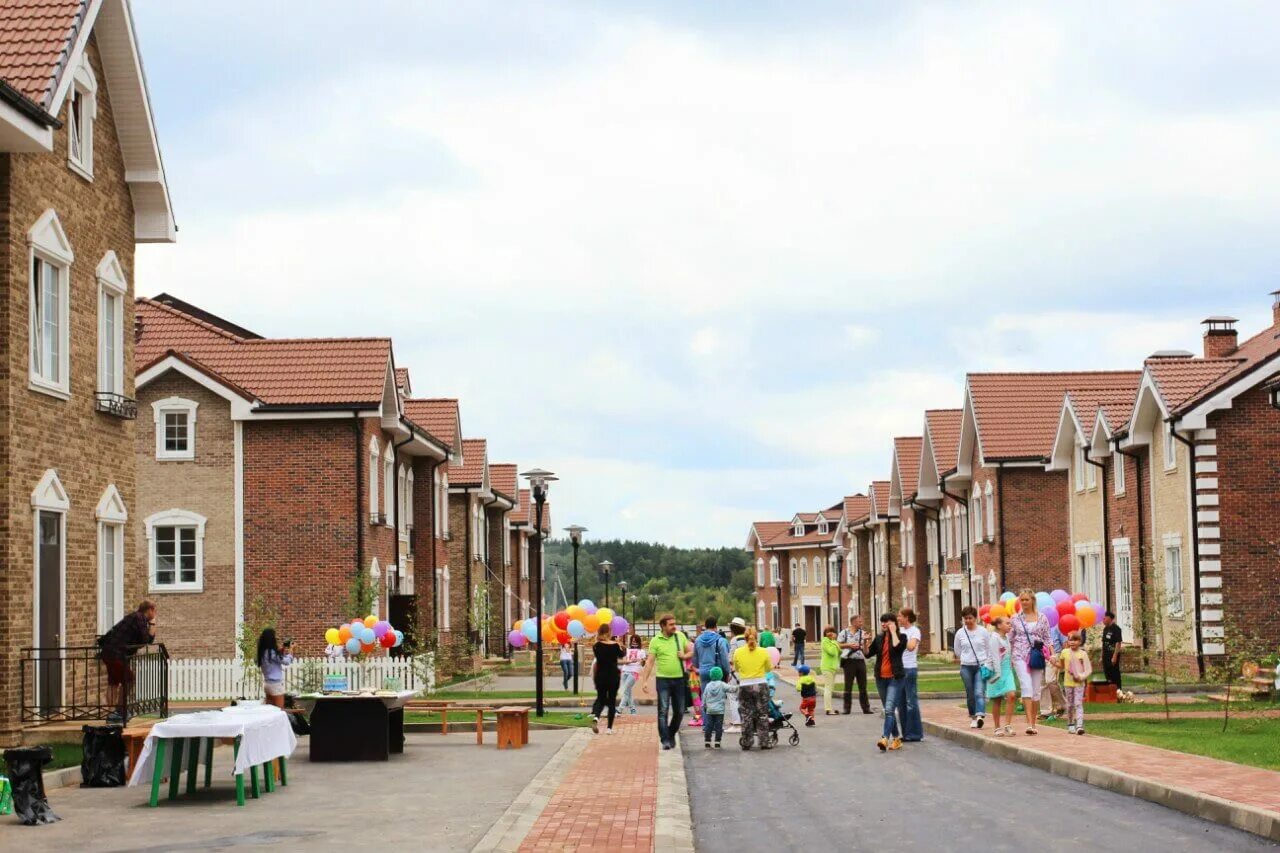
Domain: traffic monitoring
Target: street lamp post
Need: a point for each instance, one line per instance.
(840, 552)
(575, 539)
(606, 567)
(622, 585)
(540, 482)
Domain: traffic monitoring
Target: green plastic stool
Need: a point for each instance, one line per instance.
(6, 796)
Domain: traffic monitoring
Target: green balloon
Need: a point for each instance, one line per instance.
(766, 639)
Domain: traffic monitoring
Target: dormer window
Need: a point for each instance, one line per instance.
(82, 109)
(798, 529)
(822, 526)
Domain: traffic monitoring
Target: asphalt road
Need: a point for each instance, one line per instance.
(835, 790)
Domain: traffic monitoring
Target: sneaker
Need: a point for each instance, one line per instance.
(716, 745)
(973, 724)
(706, 744)
(999, 732)
(608, 731)
(810, 722)
(595, 725)
(1031, 730)
(633, 710)
(981, 720)
(1080, 730)
(1071, 730)
(882, 744)
(1009, 732)
(897, 743)
(668, 745)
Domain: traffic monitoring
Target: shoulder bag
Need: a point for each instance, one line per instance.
(1036, 660)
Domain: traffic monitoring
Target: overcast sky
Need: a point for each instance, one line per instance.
(704, 260)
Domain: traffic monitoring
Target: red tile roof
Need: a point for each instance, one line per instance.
(504, 479)
(520, 515)
(1116, 403)
(36, 39)
(524, 515)
(769, 530)
(856, 508)
(438, 417)
(1179, 379)
(277, 371)
(1017, 413)
(474, 459)
(906, 450)
(880, 496)
(402, 377)
(944, 436)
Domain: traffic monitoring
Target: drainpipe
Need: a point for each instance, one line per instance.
(435, 533)
(1106, 535)
(1000, 512)
(355, 430)
(1195, 544)
(470, 524)
(1143, 567)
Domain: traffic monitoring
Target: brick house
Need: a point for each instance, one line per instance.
(469, 488)
(946, 549)
(503, 479)
(857, 561)
(915, 576)
(1020, 531)
(1102, 514)
(770, 591)
(441, 418)
(81, 182)
(882, 547)
(1212, 441)
(274, 475)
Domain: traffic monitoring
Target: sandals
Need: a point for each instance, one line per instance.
(1031, 730)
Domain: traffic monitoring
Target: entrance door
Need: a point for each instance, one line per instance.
(813, 623)
(957, 604)
(49, 608)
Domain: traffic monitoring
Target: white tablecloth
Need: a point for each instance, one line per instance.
(264, 733)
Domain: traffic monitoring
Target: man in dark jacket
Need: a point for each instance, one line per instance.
(118, 645)
(887, 649)
(798, 635)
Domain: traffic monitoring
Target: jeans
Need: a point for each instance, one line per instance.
(855, 669)
(628, 701)
(713, 725)
(912, 726)
(671, 702)
(974, 689)
(606, 697)
(798, 655)
(890, 690)
(566, 669)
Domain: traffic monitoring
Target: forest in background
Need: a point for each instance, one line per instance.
(690, 583)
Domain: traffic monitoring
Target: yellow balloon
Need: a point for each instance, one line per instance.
(1087, 616)
(575, 612)
(332, 637)
(370, 621)
(517, 624)
(591, 621)
(604, 615)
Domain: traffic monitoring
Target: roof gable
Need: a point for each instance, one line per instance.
(472, 472)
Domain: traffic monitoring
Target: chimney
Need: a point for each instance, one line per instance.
(1275, 309)
(1219, 336)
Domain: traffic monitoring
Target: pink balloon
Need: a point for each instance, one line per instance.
(774, 655)
(517, 640)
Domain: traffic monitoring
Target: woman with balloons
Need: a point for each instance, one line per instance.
(605, 675)
(1032, 646)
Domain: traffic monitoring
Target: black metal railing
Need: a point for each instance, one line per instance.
(117, 404)
(70, 683)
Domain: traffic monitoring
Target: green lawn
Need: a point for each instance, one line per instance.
(506, 694)
(1255, 742)
(64, 755)
(947, 683)
(550, 718)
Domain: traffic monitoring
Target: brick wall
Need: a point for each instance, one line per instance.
(1126, 522)
(88, 450)
(460, 563)
(192, 624)
(1035, 523)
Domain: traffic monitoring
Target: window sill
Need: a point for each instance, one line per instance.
(80, 169)
(42, 387)
(168, 588)
(176, 457)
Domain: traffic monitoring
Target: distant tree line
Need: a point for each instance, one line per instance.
(690, 583)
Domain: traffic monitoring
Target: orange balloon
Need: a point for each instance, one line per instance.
(591, 622)
(345, 633)
(370, 621)
(575, 612)
(367, 647)
(515, 626)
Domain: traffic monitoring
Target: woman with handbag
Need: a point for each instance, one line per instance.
(1032, 645)
(970, 650)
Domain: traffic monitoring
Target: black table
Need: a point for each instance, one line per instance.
(356, 728)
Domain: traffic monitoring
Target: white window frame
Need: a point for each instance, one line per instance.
(946, 532)
(819, 571)
(992, 587)
(775, 579)
(112, 517)
(84, 92)
(402, 482)
(1117, 472)
(47, 242)
(822, 527)
(408, 499)
(760, 571)
(375, 462)
(1170, 448)
(111, 285)
(760, 608)
(444, 503)
(833, 573)
(175, 406)
(175, 518)
(444, 599)
(798, 529)
(1078, 464)
(795, 574)
(804, 571)
(388, 485)
(1174, 589)
(1123, 581)
(436, 505)
(851, 564)
(795, 615)
(976, 515)
(962, 523)
(1090, 473)
(991, 513)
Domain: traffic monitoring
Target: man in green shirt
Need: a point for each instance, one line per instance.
(667, 653)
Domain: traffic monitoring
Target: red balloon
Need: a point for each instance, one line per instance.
(1079, 596)
(1065, 608)
(387, 640)
(562, 620)
(562, 637)
(1017, 605)
(1069, 623)
(982, 611)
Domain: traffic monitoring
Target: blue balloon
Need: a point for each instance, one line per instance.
(1044, 601)
(399, 637)
(576, 629)
(587, 605)
(353, 646)
(368, 637)
(530, 630)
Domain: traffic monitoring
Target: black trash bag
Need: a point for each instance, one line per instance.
(25, 768)
(297, 720)
(103, 763)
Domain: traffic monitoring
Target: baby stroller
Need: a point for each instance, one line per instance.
(778, 720)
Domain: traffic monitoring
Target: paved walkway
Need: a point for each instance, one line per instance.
(1193, 775)
(608, 799)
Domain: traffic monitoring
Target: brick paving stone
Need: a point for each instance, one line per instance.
(1251, 786)
(608, 797)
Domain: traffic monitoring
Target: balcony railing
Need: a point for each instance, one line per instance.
(117, 405)
(70, 683)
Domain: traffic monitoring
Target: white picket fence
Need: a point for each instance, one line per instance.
(206, 679)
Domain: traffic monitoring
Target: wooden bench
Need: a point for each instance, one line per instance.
(433, 706)
(134, 736)
(513, 727)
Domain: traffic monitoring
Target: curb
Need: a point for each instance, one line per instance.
(64, 778)
(1236, 815)
(672, 821)
(509, 831)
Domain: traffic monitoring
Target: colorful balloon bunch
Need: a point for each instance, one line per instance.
(1065, 611)
(576, 622)
(364, 635)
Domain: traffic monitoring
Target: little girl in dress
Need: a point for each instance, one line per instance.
(1001, 683)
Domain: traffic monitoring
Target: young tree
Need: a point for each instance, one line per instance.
(1240, 649)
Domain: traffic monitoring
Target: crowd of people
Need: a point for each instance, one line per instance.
(726, 681)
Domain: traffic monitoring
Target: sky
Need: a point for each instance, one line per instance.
(704, 260)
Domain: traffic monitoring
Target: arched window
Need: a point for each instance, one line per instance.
(112, 516)
(50, 322)
(444, 598)
(408, 499)
(402, 482)
(991, 514)
(388, 485)
(773, 571)
(374, 462)
(977, 518)
(760, 571)
(804, 571)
